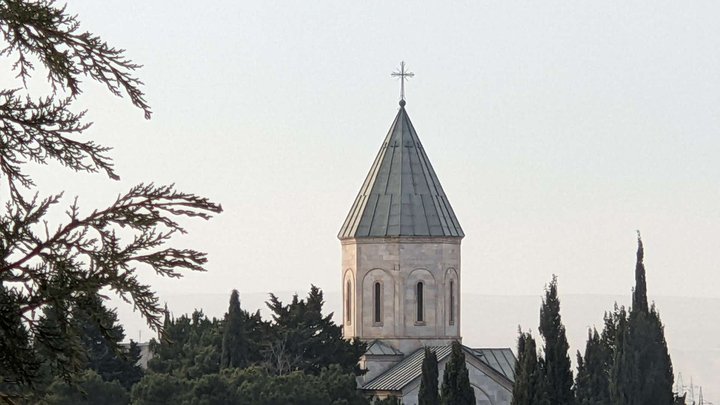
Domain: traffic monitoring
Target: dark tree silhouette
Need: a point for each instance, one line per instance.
(234, 341)
(429, 394)
(642, 373)
(529, 387)
(456, 389)
(558, 375)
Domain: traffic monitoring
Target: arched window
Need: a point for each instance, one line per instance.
(452, 303)
(377, 302)
(419, 301)
(348, 304)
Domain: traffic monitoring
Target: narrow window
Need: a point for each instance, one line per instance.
(377, 303)
(452, 303)
(348, 304)
(419, 299)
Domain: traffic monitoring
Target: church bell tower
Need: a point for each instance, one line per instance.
(401, 250)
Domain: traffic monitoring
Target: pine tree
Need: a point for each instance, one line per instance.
(429, 394)
(234, 341)
(642, 373)
(456, 389)
(557, 372)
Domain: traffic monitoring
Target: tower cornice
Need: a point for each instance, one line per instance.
(455, 240)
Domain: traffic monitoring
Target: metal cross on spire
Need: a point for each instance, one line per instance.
(403, 75)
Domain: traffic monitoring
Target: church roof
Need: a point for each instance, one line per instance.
(501, 360)
(401, 195)
(403, 373)
(406, 371)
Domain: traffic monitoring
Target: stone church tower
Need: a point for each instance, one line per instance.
(401, 250)
(401, 276)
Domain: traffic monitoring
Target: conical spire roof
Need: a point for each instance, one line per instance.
(401, 195)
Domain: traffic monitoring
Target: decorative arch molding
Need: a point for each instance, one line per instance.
(451, 296)
(378, 304)
(450, 273)
(421, 273)
(373, 273)
(349, 273)
(421, 300)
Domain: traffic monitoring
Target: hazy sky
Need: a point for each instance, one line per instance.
(556, 128)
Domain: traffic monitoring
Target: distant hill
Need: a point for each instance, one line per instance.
(691, 324)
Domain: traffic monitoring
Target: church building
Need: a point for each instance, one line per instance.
(401, 275)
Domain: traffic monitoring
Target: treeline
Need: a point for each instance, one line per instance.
(297, 357)
(627, 363)
(77, 359)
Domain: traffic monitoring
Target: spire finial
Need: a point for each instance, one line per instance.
(403, 75)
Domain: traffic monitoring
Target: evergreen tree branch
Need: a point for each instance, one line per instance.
(44, 31)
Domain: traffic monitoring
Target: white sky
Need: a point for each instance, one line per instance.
(556, 128)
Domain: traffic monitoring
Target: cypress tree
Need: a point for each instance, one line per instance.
(642, 373)
(639, 296)
(528, 388)
(234, 341)
(429, 394)
(557, 372)
(522, 365)
(592, 382)
(456, 389)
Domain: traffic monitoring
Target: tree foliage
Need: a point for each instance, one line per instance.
(529, 387)
(251, 386)
(302, 338)
(592, 382)
(429, 393)
(44, 263)
(189, 348)
(93, 336)
(456, 388)
(557, 372)
(100, 336)
(86, 388)
(642, 373)
(160, 388)
(193, 361)
(627, 364)
(234, 341)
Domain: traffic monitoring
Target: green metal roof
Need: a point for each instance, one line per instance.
(401, 195)
(406, 371)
